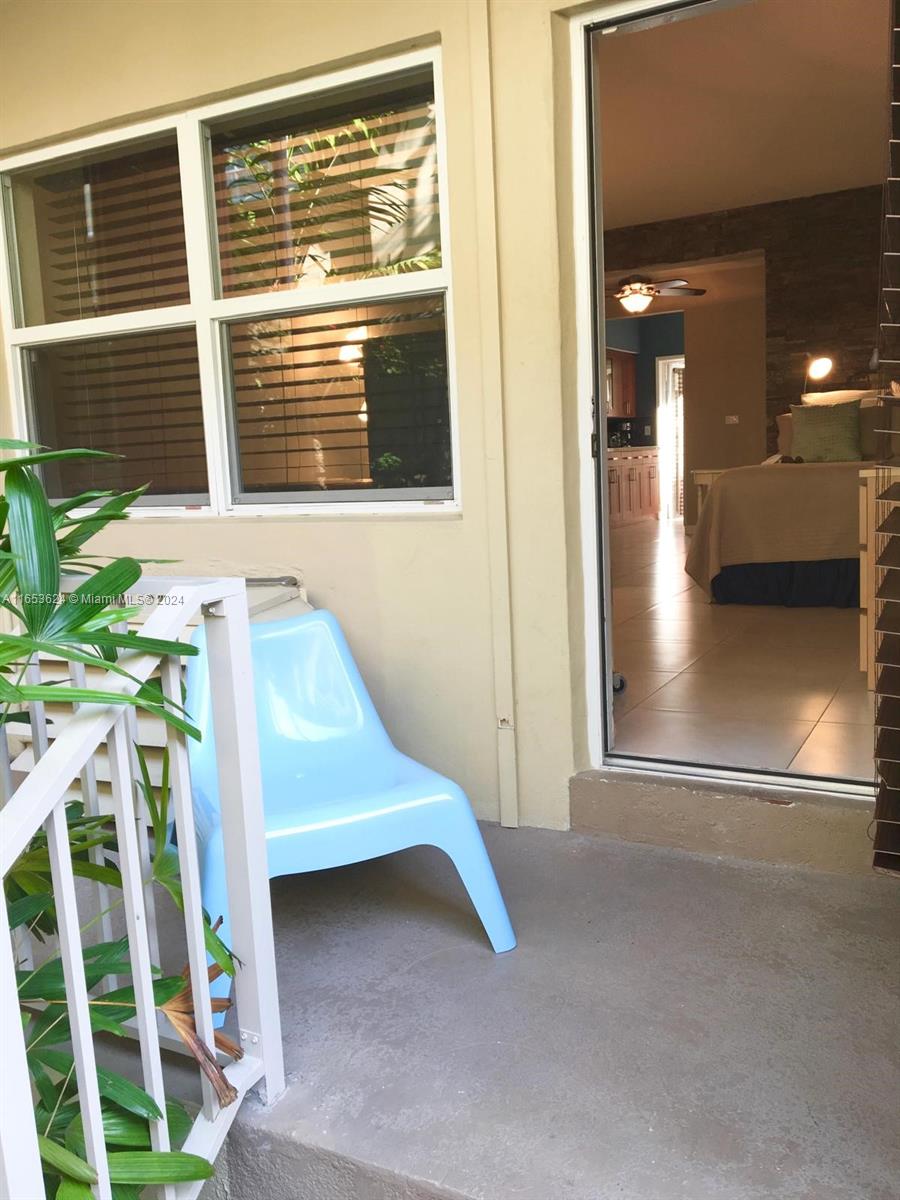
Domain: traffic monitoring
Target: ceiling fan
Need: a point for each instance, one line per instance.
(636, 293)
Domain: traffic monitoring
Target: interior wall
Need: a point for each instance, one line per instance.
(821, 283)
(724, 348)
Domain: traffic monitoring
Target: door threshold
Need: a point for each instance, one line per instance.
(808, 786)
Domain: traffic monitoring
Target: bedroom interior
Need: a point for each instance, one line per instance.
(742, 156)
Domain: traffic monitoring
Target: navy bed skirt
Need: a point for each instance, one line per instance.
(832, 582)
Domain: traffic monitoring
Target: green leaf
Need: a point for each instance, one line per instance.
(48, 1091)
(125, 1129)
(63, 1162)
(100, 959)
(137, 641)
(126, 1191)
(27, 908)
(156, 1166)
(50, 693)
(15, 648)
(93, 522)
(156, 808)
(98, 872)
(180, 1124)
(15, 444)
(94, 595)
(166, 874)
(74, 1189)
(163, 991)
(17, 718)
(33, 543)
(64, 507)
(53, 1124)
(29, 460)
(112, 1087)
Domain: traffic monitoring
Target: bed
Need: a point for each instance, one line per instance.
(780, 533)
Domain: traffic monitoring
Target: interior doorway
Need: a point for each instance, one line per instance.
(670, 371)
(745, 664)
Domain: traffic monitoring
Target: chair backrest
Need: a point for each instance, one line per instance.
(313, 712)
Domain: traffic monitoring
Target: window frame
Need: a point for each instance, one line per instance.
(209, 314)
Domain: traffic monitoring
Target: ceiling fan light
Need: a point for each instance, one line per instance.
(636, 302)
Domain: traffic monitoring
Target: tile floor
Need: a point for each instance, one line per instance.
(737, 685)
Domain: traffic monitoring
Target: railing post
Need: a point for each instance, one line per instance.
(130, 866)
(180, 780)
(243, 832)
(20, 1163)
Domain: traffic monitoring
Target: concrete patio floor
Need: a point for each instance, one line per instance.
(671, 1027)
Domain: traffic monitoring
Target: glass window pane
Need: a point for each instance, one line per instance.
(348, 399)
(138, 396)
(339, 188)
(103, 234)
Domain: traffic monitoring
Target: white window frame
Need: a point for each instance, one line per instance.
(209, 314)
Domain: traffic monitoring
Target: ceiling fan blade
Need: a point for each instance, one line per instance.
(669, 283)
(681, 291)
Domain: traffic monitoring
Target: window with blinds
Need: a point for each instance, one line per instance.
(344, 191)
(104, 234)
(122, 349)
(136, 396)
(347, 398)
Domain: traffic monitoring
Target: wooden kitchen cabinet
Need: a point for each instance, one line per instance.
(633, 478)
(621, 383)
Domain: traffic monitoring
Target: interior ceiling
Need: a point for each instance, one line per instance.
(726, 280)
(767, 101)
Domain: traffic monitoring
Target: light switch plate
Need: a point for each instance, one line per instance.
(732, 420)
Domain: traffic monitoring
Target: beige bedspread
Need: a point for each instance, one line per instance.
(783, 512)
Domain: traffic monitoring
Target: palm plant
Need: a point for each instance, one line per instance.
(38, 539)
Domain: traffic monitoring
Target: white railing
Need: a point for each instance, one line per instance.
(40, 801)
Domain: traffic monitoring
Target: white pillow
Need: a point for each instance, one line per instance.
(867, 399)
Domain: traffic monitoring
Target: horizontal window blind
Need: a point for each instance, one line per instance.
(103, 236)
(349, 398)
(307, 401)
(336, 193)
(133, 395)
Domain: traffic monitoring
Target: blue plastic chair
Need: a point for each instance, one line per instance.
(335, 789)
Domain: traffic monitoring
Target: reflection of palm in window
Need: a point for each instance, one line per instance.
(357, 199)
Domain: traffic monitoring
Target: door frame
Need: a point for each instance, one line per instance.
(590, 352)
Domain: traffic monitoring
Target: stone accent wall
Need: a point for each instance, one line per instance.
(821, 255)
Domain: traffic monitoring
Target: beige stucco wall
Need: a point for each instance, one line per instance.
(426, 603)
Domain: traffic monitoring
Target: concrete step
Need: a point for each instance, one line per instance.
(672, 1026)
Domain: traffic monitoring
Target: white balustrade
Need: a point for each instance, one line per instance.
(40, 799)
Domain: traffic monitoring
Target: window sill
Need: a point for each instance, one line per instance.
(412, 509)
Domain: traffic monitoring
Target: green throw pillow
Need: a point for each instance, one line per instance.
(826, 432)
